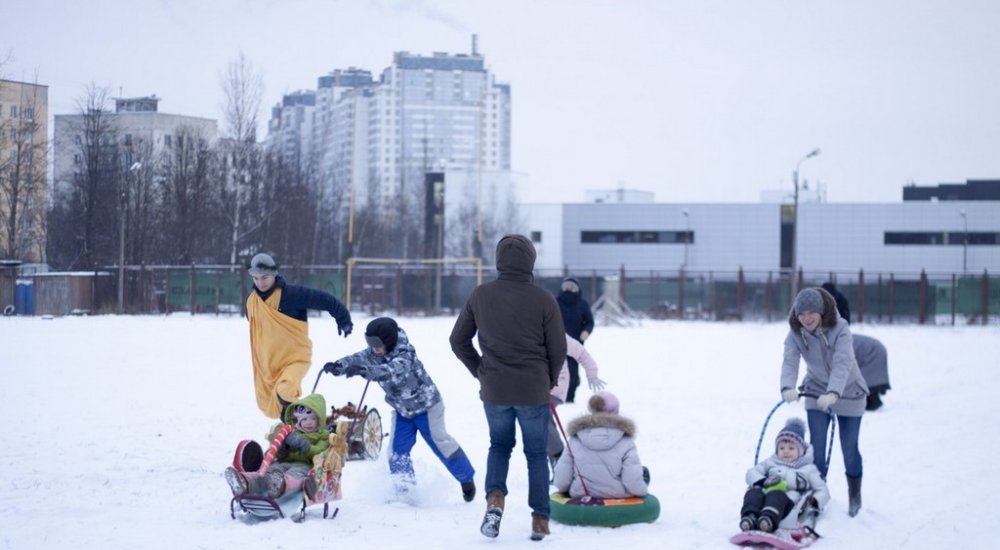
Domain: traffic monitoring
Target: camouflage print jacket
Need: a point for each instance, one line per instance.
(407, 386)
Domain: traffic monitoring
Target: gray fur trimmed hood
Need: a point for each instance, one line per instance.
(601, 420)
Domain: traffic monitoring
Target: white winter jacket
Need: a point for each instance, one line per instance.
(602, 451)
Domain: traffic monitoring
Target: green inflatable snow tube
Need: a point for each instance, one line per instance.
(606, 512)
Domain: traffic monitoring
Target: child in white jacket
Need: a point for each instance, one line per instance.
(602, 460)
(778, 483)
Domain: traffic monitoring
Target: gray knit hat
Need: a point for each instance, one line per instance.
(263, 264)
(808, 299)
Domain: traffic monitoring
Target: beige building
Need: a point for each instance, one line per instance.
(136, 123)
(23, 170)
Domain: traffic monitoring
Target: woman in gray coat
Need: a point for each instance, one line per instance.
(833, 384)
(602, 460)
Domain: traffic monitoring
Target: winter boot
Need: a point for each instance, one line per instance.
(310, 488)
(748, 522)
(494, 512)
(765, 524)
(236, 482)
(873, 402)
(468, 490)
(853, 495)
(539, 527)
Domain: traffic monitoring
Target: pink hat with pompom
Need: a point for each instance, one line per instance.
(603, 401)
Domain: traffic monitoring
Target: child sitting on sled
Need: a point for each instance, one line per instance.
(392, 361)
(779, 482)
(294, 458)
(602, 460)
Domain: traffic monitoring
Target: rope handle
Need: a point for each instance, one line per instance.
(555, 415)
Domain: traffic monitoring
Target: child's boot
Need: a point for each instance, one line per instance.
(748, 522)
(853, 495)
(468, 490)
(768, 520)
(539, 527)
(494, 512)
(237, 482)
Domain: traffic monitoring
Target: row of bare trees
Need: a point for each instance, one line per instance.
(23, 172)
(220, 202)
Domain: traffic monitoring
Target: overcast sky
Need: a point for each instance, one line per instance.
(696, 100)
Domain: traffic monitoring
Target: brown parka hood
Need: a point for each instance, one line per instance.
(828, 318)
(515, 258)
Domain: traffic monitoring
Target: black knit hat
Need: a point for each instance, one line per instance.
(384, 331)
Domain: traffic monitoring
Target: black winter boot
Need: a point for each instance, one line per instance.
(468, 490)
(853, 495)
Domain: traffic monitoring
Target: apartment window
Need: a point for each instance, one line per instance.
(128, 139)
(168, 140)
(13, 111)
(536, 236)
(29, 113)
(13, 135)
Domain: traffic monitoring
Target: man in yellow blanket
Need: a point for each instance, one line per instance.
(279, 334)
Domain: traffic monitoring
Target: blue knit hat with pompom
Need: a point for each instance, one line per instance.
(794, 431)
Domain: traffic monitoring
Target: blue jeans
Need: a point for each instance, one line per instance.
(534, 423)
(850, 428)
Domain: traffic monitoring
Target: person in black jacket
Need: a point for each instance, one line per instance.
(280, 348)
(520, 333)
(870, 353)
(843, 306)
(579, 322)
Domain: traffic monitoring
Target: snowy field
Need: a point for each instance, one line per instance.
(119, 428)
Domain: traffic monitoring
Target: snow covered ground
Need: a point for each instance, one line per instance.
(117, 430)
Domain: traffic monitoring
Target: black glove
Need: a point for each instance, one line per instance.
(333, 368)
(353, 370)
(298, 442)
(345, 329)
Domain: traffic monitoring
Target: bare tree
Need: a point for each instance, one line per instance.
(23, 173)
(243, 88)
(88, 199)
(186, 216)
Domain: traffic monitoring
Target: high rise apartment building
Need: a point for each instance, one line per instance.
(376, 139)
(24, 181)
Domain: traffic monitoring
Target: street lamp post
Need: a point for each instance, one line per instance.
(965, 242)
(795, 223)
(121, 240)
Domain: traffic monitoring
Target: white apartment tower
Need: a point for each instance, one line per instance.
(375, 139)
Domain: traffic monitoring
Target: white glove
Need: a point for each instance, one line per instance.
(790, 395)
(596, 384)
(825, 401)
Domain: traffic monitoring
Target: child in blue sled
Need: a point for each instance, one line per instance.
(392, 361)
(779, 482)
